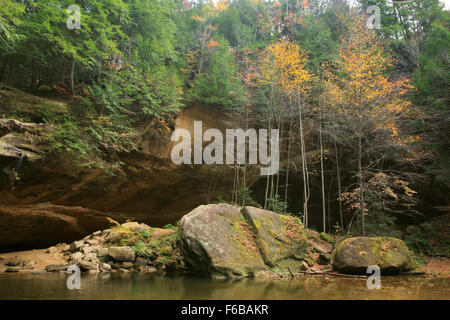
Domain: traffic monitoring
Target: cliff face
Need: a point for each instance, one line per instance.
(45, 197)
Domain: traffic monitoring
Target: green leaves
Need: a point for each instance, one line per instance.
(220, 83)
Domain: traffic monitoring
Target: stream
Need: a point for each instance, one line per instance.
(145, 286)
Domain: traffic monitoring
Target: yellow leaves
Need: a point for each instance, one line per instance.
(358, 86)
(405, 185)
(284, 65)
(221, 5)
(198, 18)
(391, 192)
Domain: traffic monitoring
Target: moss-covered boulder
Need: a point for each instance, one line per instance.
(281, 239)
(220, 240)
(216, 240)
(354, 255)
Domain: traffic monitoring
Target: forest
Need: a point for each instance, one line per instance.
(363, 110)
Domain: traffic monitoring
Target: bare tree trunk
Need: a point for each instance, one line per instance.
(288, 163)
(361, 185)
(72, 72)
(338, 172)
(304, 168)
(322, 173)
(281, 137)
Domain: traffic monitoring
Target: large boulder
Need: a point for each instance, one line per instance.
(221, 240)
(354, 255)
(122, 253)
(216, 240)
(281, 239)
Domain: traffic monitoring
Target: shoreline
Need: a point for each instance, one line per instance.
(435, 267)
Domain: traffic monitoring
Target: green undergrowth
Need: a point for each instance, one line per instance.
(149, 244)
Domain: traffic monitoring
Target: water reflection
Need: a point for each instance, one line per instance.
(141, 286)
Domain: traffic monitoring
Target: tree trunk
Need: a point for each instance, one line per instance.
(304, 168)
(338, 174)
(72, 72)
(361, 186)
(321, 173)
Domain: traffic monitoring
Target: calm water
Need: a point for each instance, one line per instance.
(141, 286)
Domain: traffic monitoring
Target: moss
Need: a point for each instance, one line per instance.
(327, 238)
(27, 107)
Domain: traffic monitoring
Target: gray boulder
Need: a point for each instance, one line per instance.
(223, 241)
(121, 253)
(355, 255)
(88, 265)
(55, 267)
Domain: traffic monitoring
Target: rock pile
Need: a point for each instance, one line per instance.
(102, 252)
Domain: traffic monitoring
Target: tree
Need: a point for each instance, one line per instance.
(360, 91)
(284, 70)
(220, 83)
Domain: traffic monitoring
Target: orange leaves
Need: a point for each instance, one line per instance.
(213, 44)
(284, 65)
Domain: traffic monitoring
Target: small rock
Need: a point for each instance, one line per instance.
(324, 258)
(412, 230)
(92, 257)
(305, 266)
(116, 265)
(52, 250)
(92, 241)
(123, 270)
(76, 245)
(426, 227)
(88, 265)
(104, 267)
(55, 267)
(76, 256)
(93, 271)
(121, 253)
(97, 233)
(320, 249)
(141, 262)
(30, 264)
(86, 250)
(63, 247)
(128, 265)
(171, 265)
(12, 269)
(158, 264)
(148, 270)
(14, 262)
(103, 252)
(310, 261)
(112, 236)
